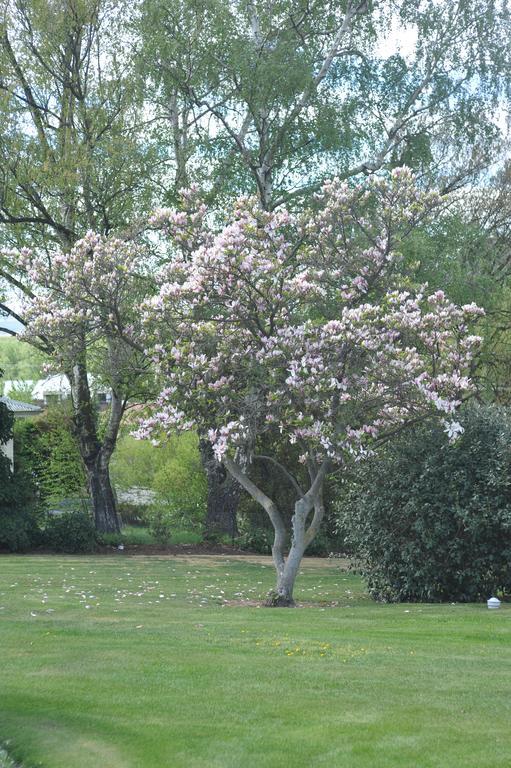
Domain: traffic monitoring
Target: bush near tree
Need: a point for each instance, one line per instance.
(18, 509)
(47, 451)
(430, 520)
(71, 532)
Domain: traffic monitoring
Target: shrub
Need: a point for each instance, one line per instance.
(18, 508)
(161, 522)
(256, 540)
(431, 520)
(322, 545)
(186, 537)
(132, 514)
(181, 484)
(130, 534)
(70, 532)
(46, 450)
(164, 528)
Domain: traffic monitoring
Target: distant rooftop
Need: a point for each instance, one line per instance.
(16, 406)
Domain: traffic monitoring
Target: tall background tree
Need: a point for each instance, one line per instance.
(74, 156)
(279, 94)
(268, 98)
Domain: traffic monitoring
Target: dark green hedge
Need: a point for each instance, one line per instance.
(46, 450)
(18, 507)
(431, 520)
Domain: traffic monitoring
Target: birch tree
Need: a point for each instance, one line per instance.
(74, 157)
(283, 93)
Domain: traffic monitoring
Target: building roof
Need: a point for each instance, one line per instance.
(57, 384)
(16, 406)
(17, 384)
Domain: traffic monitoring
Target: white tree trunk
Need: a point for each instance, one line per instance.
(287, 567)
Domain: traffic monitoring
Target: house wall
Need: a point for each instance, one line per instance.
(8, 450)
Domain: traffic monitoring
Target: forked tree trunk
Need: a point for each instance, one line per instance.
(282, 596)
(96, 454)
(223, 496)
(288, 567)
(301, 534)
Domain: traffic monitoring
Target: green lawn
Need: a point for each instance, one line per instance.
(140, 663)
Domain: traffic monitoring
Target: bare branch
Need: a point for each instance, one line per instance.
(284, 471)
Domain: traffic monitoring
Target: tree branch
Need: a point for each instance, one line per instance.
(284, 471)
(268, 505)
(34, 109)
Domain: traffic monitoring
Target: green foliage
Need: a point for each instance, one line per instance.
(431, 520)
(18, 517)
(6, 422)
(85, 161)
(164, 526)
(181, 483)
(186, 537)
(277, 128)
(135, 462)
(322, 545)
(71, 532)
(256, 539)
(47, 450)
(161, 522)
(173, 470)
(20, 361)
(18, 510)
(131, 514)
(130, 534)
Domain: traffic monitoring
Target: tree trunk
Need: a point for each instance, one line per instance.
(223, 496)
(282, 595)
(287, 567)
(104, 507)
(96, 455)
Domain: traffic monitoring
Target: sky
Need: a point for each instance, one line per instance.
(9, 322)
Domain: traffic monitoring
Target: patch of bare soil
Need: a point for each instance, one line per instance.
(261, 604)
(204, 548)
(212, 554)
(202, 554)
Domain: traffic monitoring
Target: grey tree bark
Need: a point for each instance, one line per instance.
(302, 532)
(96, 454)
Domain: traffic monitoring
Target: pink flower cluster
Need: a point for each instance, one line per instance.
(298, 324)
(87, 298)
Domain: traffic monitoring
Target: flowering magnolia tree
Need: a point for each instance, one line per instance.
(83, 307)
(300, 327)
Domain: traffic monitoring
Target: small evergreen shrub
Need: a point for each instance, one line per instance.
(70, 532)
(18, 500)
(46, 450)
(430, 520)
(161, 522)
